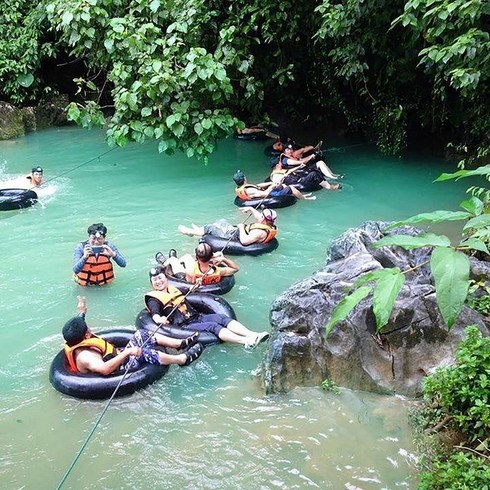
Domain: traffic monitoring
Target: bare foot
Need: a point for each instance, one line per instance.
(185, 230)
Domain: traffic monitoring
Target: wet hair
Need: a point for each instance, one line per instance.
(74, 330)
(97, 227)
(204, 252)
(239, 177)
(37, 169)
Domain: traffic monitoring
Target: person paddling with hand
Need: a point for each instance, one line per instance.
(86, 353)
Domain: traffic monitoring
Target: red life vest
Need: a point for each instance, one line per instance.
(96, 271)
(106, 350)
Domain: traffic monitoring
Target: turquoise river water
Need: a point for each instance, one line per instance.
(208, 426)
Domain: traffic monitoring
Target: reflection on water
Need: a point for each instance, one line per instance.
(209, 425)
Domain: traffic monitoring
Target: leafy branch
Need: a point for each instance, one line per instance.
(449, 265)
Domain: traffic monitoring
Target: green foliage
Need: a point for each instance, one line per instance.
(479, 297)
(330, 386)
(22, 47)
(463, 391)
(449, 264)
(177, 71)
(462, 471)
(458, 397)
(185, 72)
(458, 43)
(416, 65)
(451, 271)
(345, 306)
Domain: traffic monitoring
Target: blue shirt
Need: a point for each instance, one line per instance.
(79, 260)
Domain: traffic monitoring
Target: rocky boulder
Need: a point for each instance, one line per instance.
(11, 122)
(51, 112)
(413, 344)
(15, 122)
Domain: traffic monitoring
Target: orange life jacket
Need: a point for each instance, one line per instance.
(269, 229)
(170, 299)
(96, 271)
(212, 276)
(241, 191)
(106, 349)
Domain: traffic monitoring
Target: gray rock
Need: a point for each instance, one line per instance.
(29, 118)
(11, 122)
(15, 122)
(413, 344)
(51, 112)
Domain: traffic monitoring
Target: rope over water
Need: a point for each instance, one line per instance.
(98, 157)
(99, 419)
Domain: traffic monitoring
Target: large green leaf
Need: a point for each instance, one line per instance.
(368, 277)
(408, 242)
(451, 270)
(345, 306)
(475, 244)
(385, 294)
(485, 170)
(473, 205)
(25, 80)
(434, 217)
(478, 222)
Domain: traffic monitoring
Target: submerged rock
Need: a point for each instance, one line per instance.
(413, 344)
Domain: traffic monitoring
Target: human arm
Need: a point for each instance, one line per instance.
(82, 306)
(89, 361)
(156, 311)
(265, 185)
(111, 251)
(250, 210)
(293, 162)
(225, 266)
(250, 237)
(80, 255)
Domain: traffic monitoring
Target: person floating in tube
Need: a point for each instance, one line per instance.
(262, 231)
(86, 353)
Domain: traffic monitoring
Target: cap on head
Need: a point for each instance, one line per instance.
(204, 252)
(269, 215)
(288, 147)
(74, 330)
(239, 177)
(37, 169)
(97, 228)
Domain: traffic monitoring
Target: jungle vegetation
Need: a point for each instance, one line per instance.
(189, 72)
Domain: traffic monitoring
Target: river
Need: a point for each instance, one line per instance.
(208, 426)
